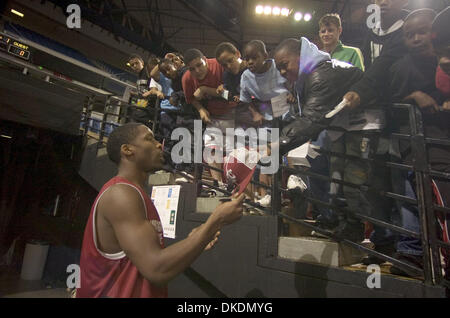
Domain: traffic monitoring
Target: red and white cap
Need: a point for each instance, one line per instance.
(239, 166)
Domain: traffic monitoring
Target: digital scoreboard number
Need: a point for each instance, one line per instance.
(14, 47)
(4, 43)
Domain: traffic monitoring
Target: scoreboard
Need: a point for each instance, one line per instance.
(14, 47)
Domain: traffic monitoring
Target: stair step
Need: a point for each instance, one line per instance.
(208, 205)
(318, 251)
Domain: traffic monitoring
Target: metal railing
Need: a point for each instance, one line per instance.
(431, 243)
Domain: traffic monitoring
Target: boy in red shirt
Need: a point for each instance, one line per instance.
(200, 84)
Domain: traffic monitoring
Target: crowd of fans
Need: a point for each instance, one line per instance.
(405, 59)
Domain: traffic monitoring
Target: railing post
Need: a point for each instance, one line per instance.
(276, 192)
(155, 116)
(198, 172)
(276, 182)
(431, 257)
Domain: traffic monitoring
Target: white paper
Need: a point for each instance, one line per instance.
(368, 119)
(280, 105)
(337, 109)
(225, 94)
(298, 156)
(165, 199)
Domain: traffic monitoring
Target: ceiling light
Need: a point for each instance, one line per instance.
(6, 136)
(308, 17)
(259, 9)
(285, 12)
(267, 10)
(276, 11)
(298, 16)
(20, 14)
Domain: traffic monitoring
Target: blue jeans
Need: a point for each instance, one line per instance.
(320, 189)
(409, 213)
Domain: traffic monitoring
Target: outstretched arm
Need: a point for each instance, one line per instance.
(319, 101)
(124, 209)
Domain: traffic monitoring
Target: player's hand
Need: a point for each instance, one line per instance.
(236, 99)
(220, 89)
(446, 105)
(204, 115)
(291, 99)
(230, 212)
(424, 101)
(353, 100)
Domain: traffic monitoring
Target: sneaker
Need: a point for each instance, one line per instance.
(221, 186)
(265, 201)
(388, 250)
(207, 193)
(296, 182)
(254, 211)
(181, 180)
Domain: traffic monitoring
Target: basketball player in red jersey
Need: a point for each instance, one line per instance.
(123, 253)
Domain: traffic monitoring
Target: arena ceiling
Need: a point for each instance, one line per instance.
(184, 24)
(160, 26)
(204, 23)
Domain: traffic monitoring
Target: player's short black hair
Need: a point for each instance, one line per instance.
(120, 136)
(258, 45)
(225, 47)
(292, 45)
(191, 55)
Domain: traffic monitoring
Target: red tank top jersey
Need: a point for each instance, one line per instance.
(113, 275)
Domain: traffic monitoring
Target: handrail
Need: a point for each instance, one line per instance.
(432, 266)
(68, 59)
(431, 272)
(32, 67)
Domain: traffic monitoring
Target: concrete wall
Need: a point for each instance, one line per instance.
(244, 263)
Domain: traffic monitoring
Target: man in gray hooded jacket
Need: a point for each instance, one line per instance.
(321, 83)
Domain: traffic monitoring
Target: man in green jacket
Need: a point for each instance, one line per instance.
(330, 30)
